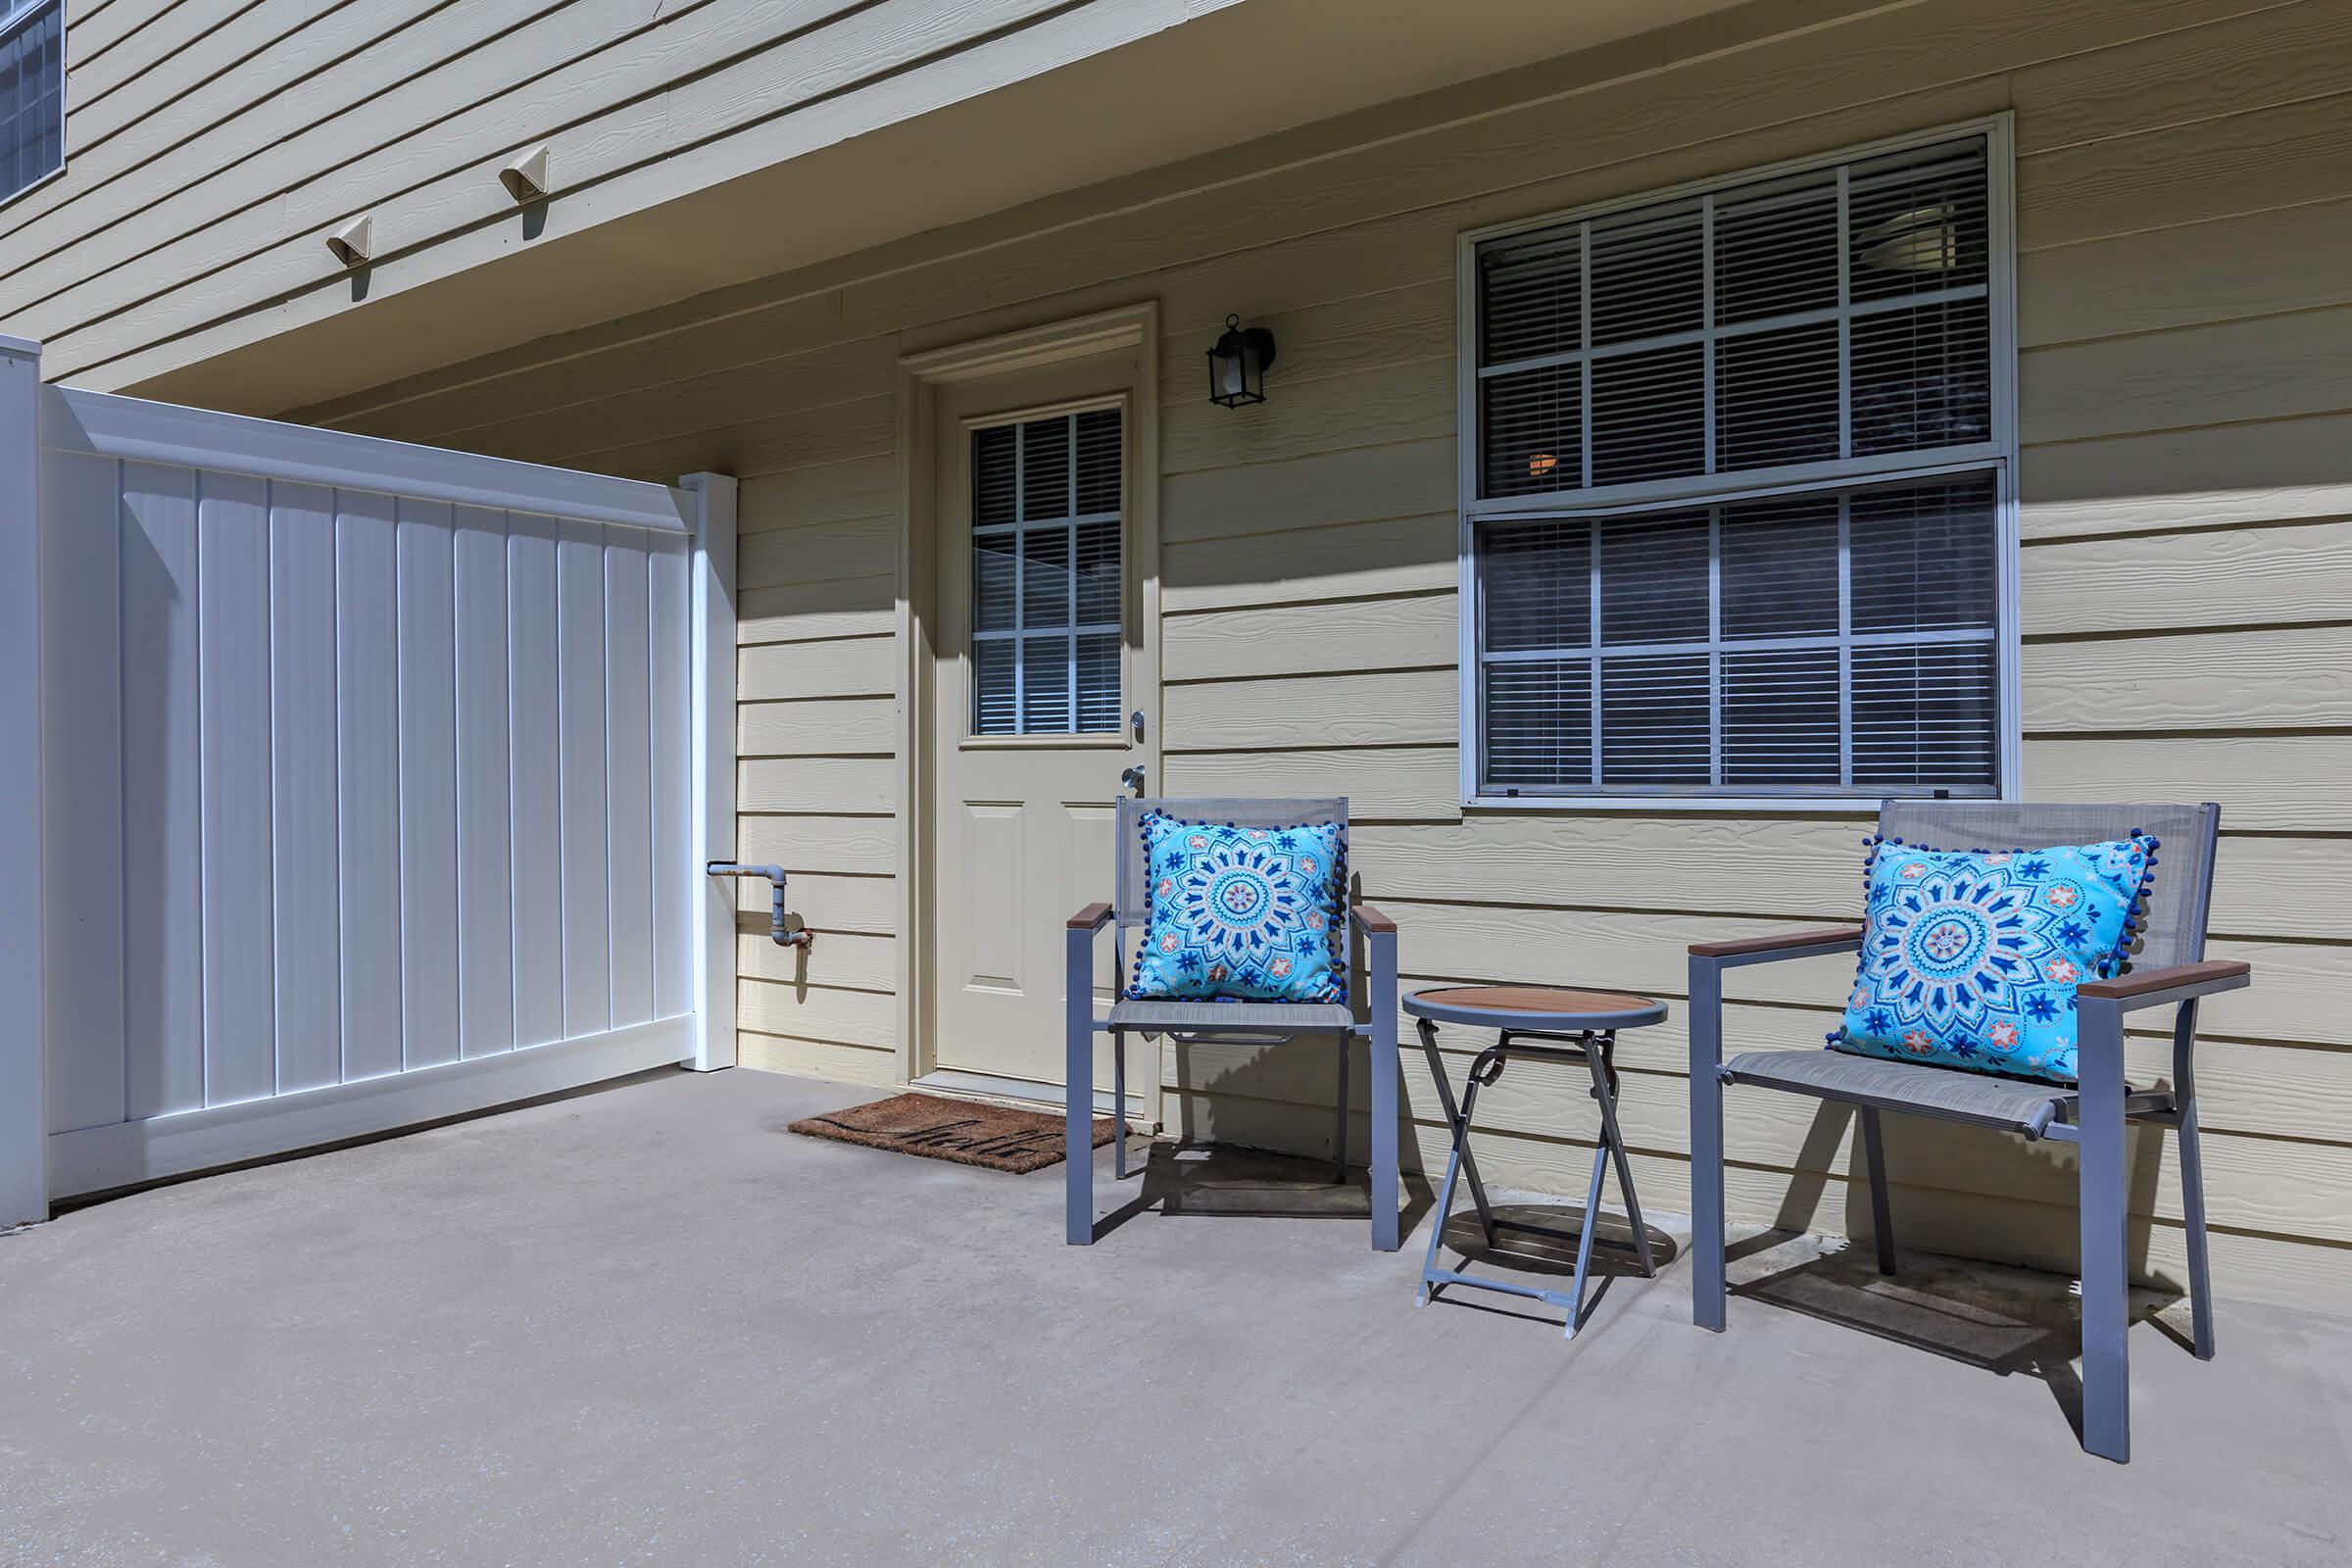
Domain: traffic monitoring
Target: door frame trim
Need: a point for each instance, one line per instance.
(920, 378)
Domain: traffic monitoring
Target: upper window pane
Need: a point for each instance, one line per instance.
(1648, 274)
(1775, 248)
(32, 93)
(1046, 587)
(1837, 313)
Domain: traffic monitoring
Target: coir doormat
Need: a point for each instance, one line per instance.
(995, 1137)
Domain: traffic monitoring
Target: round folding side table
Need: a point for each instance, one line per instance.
(1571, 1025)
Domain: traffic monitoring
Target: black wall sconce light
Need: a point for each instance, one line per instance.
(1237, 366)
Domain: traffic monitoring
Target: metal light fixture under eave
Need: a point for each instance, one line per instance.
(1237, 366)
(354, 244)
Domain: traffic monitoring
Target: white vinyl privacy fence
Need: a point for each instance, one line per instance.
(359, 784)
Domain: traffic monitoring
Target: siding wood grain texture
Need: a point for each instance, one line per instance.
(2184, 195)
(211, 148)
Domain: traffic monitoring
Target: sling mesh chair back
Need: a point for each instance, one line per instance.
(2166, 967)
(1253, 1022)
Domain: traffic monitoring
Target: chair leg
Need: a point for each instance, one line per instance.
(1706, 1146)
(1339, 1134)
(2192, 1210)
(2106, 1302)
(1874, 1157)
(1078, 1088)
(1384, 1182)
(2192, 1181)
(1118, 1103)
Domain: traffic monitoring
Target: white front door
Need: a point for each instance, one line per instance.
(1040, 700)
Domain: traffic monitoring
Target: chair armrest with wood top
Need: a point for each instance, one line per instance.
(1371, 920)
(2174, 983)
(1091, 918)
(1774, 946)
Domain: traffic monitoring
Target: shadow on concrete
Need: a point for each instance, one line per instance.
(1189, 1179)
(2001, 1320)
(1540, 1239)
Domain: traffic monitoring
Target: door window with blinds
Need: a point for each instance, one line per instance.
(32, 92)
(1737, 519)
(1047, 588)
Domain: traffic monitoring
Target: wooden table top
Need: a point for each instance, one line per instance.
(1538, 1007)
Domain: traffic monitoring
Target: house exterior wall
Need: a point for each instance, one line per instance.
(211, 147)
(2183, 198)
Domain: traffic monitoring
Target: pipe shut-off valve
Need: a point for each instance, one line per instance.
(778, 927)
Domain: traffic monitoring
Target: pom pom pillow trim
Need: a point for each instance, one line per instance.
(1970, 958)
(1242, 914)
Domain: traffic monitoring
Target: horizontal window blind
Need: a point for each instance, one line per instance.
(32, 93)
(1842, 312)
(1832, 642)
(1770, 407)
(1046, 575)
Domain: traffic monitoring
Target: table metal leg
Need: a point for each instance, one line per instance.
(1457, 1119)
(1430, 1271)
(1583, 1241)
(1598, 1053)
(1485, 1068)
(1596, 1050)
(1458, 1160)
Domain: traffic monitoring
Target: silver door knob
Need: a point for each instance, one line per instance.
(1133, 778)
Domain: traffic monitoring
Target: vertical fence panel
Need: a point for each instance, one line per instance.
(240, 1022)
(486, 904)
(669, 637)
(711, 587)
(580, 637)
(356, 769)
(163, 845)
(82, 890)
(306, 915)
(535, 739)
(628, 774)
(428, 787)
(367, 780)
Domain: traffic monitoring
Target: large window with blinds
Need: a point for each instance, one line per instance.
(1737, 506)
(1047, 588)
(32, 92)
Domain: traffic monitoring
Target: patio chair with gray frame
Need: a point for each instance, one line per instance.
(2168, 968)
(1242, 1022)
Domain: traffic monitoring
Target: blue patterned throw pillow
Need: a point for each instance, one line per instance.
(1243, 913)
(1970, 958)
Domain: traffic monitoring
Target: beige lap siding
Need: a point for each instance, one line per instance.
(817, 780)
(2186, 512)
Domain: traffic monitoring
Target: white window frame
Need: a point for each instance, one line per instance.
(15, 14)
(1998, 455)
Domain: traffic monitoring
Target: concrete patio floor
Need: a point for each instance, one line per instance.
(647, 1325)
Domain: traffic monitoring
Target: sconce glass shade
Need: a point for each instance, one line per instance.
(1237, 366)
